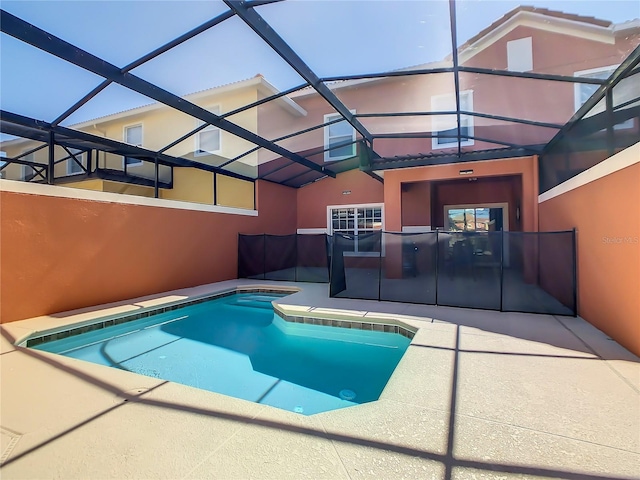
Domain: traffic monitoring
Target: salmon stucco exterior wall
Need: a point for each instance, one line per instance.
(605, 214)
(60, 254)
(314, 198)
(527, 167)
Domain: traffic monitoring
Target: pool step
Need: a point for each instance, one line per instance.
(255, 301)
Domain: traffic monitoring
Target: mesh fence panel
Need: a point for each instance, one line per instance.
(509, 271)
(302, 258)
(469, 269)
(355, 268)
(408, 270)
(251, 256)
(557, 269)
(312, 258)
(280, 257)
(538, 273)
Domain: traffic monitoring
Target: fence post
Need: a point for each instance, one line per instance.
(295, 267)
(575, 273)
(437, 263)
(264, 256)
(502, 271)
(380, 266)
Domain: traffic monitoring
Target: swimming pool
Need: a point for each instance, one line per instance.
(238, 346)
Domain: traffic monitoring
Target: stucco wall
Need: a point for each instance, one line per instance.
(65, 253)
(416, 204)
(605, 213)
(500, 189)
(525, 167)
(190, 185)
(313, 199)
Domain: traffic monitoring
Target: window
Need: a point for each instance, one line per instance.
(447, 124)
(133, 136)
(3, 154)
(584, 91)
(27, 171)
(520, 55)
(338, 139)
(474, 219)
(356, 220)
(73, 168)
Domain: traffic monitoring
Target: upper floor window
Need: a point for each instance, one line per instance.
(339, 139)
(133, 136)
(74, 166)
(520, 55)
(584, 91)
(448, 125)
(208, 139)
(3, 154)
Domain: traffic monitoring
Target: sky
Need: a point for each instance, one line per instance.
(334, 37)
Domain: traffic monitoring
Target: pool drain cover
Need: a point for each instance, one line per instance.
(347, 394)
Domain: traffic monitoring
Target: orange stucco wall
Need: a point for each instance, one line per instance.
(314, 198)
(416, 204)
(605, 213)
(526, 167)
(64, 253)
(503, 189)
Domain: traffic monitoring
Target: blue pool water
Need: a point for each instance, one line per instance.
(237, 346)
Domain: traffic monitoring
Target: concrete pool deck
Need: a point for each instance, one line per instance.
(478, 394)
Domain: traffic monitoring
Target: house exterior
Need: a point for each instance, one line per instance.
(526, 39)
(154, 127)
(419, 198)
(415, 185)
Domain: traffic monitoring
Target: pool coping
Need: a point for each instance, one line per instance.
(349, 319)
(432, 392)
(344, 320)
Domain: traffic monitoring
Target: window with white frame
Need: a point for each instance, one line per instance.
(339, 138)
(27, 170)
(584, 91)
(356, 221)
(73, 167)
(133, 136)
(208, 140)
(520, 55)
(3, 154)
(445, 127)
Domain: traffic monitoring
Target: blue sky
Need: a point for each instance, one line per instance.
(333, 36)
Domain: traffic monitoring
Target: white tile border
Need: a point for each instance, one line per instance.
(625, 158)
(107, 197)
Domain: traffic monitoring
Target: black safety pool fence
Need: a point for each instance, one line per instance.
(532, 272)
(294, 258)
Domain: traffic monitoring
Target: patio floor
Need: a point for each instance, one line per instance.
(478, 394)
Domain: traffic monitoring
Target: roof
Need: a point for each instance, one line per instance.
(518, 15)
(258, 81)
(542, 11)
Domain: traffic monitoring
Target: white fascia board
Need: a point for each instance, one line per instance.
(216, 92)
(289, 105)
(542, 22)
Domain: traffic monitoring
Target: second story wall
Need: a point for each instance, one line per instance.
(561, 50)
